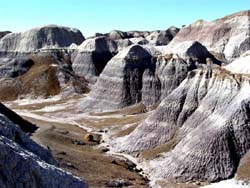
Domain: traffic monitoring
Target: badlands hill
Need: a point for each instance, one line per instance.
(23, 162)
(176, 100)
(46, 37)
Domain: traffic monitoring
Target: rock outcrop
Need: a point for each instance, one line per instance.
(38, 76)
(46, 37)
(93, 55)
(149, 79)
(240, 65)
(26, 164)
(227, 38)
(117, 35)
(139, 40)
(120, 83)
(160, 38)
(25, 126)
(3, 33)
(208, 131)
(14, 67)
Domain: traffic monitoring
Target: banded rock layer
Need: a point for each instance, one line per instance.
(120, 83)
(47, 37)
(92, 56)
(134, 76)
(228, 37)
(207, 131)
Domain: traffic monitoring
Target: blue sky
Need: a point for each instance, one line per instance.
(92, 16)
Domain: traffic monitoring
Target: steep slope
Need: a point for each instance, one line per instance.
(3, 33)
(38, 76)
(160, 38)
(26, 126)
(36, 166)
(93, 55)
(207, 132)
(228, 37)
(240, 65)
(134, 76)
(46, 37)
(36, 63)
(120, 83)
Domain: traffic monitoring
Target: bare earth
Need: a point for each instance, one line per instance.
(80, 157)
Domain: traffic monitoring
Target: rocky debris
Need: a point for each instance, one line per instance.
(93, 55)
(3, 33)
(210, 130)
(62, 153)
(226, 38)
(46, 37)
(79, 143)
(160, 38)
(118, 183)
(104, 149)
(120, 83)
(130, 165)
(70, 165)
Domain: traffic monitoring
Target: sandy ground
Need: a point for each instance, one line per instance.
(65, 139)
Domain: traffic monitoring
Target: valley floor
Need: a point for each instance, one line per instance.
(62, 128)
(66, 141)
